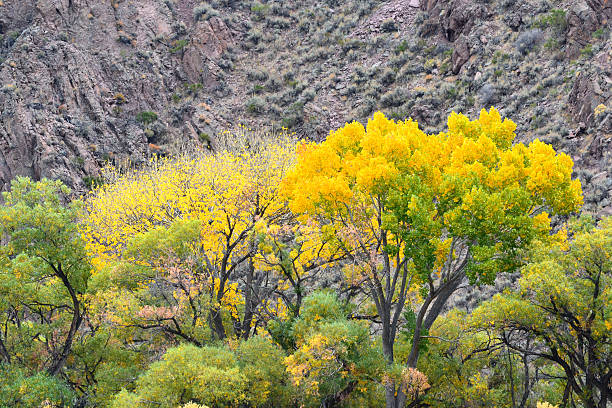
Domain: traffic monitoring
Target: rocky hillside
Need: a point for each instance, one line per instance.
(83, 82)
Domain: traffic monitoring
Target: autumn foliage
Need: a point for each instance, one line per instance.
(301, 274)
(420, 214)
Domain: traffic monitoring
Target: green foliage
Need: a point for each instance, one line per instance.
(282, 332)
(212, 376)
(18, 389)
(44, 271)
(403, 46)
(551, 44)
(334, 356)
(262, 362)
(587, 51)
(91, 182)
(193, 88)
(319, 308)
(179, 45)
(600, 33)
(204, 138)
(458, 375)
(260, 10)
(188, 373)
(107, 364)
(146, 117)
(555, 18)
(564, 305)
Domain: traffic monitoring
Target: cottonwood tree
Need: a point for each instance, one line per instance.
(429, 212)
(44, 271)
(221, 198)
(562, 313)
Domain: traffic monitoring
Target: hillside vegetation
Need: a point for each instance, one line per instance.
(87, 82)
(278, 273)
(314, 203)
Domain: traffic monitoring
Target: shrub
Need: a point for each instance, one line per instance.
(259, 9)
(213, 376)
(188, 373)
(255, 105)
(487, 94)
(600, 33)
(119, 98)
(146, 117)
(257, 75)
(556, 19)
(92, 182)
(388, 26)
(388, 77)
(587, 51)
(403, 46)
(394, 98)
(278, 22)
(293, 116)
(254, 36)
(178, 45)
(527, 40)
(204, 12)
(204, 138)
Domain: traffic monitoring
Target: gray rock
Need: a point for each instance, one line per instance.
(582, 21)
(461, 54)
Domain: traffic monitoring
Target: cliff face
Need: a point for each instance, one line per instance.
(83, 82)
(76, 74)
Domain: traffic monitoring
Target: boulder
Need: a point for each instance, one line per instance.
(582, 100)
(461, 54)
(451, 17)
(582, 21)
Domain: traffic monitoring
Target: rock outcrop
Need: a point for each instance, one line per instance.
(80, 71)
(84, 82)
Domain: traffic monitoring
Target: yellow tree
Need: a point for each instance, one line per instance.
(220, 198)
(296, 252)
(429, 211)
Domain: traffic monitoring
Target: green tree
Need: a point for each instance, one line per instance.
(253, 376)
(335, 363)
(467, 369)
(44, 271)
(20, 389)
(562, 313)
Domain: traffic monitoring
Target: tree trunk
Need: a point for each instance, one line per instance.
(413, 357)
(4, 352)
(442, 296)
(216, 323)
(526, 380)
(394, 396)
(77, 318)
(605, 390)
(249, 304)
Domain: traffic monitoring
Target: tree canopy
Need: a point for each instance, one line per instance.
(419, 213)
(272, 273)
(562, 312)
